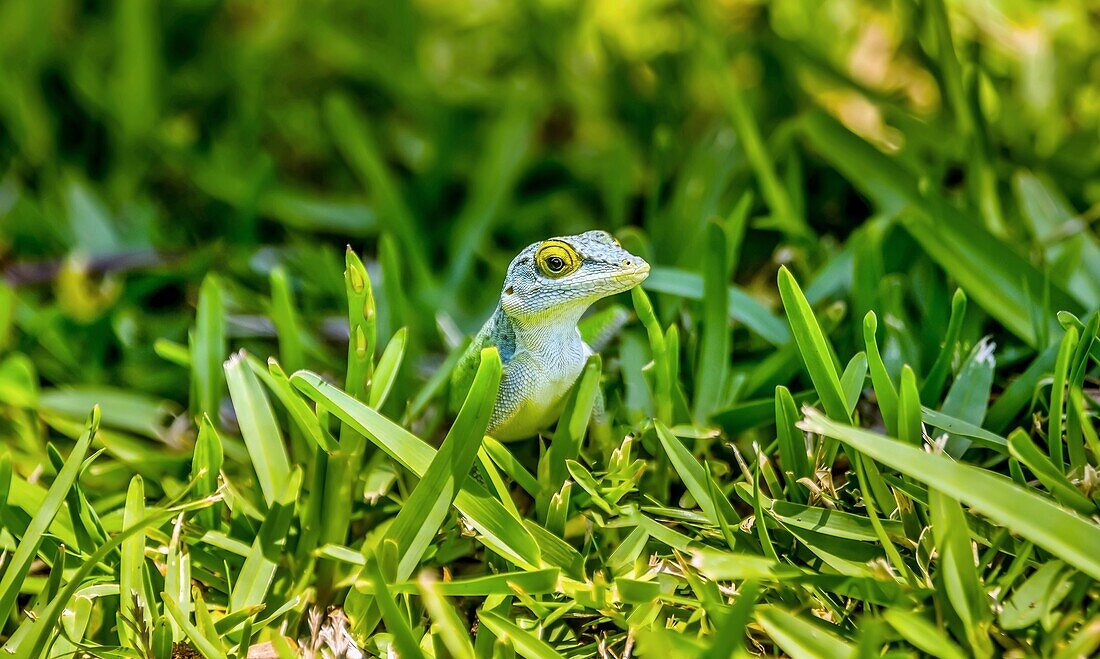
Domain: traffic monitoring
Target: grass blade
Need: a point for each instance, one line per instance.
(258, 572)
(1021, 447)
(957, 571)
(206, 465)
(801, 638)
(396, 622)
(969, 394)
(937, 375)
(885, 392)
(389, 365)
(486, 513)
(922, 634)
(815, 350)
(792, 444)
(17, 567)
(208, 348)
(694, 477)
(526, 643)
(1063, 533)
(427, 507)
(1055, 443)
(451, 629)
(132, 566)
(259, 428)
(714, 353)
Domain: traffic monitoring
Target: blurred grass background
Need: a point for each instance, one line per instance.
(887, 153)
(200, 130)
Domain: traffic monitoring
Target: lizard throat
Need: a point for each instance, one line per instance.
(550, 334)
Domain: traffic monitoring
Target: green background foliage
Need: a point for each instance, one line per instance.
(853, 411)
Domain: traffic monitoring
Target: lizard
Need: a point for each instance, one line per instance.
(548, 287)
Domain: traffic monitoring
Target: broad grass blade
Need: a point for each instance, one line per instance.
(816, 353)
(208, 349)
(800, 637)
(527, 644)
(259, 428)
(500, 531)
(427, 507)
(1063, 533)
(17, 567)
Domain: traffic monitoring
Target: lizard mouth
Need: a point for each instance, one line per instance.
(633, 276)
(615, 282)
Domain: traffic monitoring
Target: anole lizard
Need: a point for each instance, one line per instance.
(549, 285)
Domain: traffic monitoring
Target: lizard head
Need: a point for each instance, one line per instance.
(568, 273)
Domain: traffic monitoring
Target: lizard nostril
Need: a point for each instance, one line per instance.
(627, 263)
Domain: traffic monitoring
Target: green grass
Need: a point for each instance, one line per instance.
(854, 410)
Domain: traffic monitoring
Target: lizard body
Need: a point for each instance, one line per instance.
(548, 287)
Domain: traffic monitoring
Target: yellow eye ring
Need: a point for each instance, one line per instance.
(557, 259)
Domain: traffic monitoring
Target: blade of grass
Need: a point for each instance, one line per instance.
(909, 409)
(743, 308)
(304, 418)
(206, 464)
(486, 514)
(208, 349)
(885, 392)
(792, 445)
(1055, 443)
(968, 396)
(451, 629)
(427, 507)
(662, 394)
(1063, 533)
(694, 477)
(960, 428)
(526, 643)
(132, 567)
(17, 567)
(816, 353)
(396, 622)
(259, 428)
(799, 637)
(258, 572)
(922, 634)
(865, 471)
(389, 366)
(1077, 424)
(712, 370)
(1021, 447)
(937, 375)
(957, 570)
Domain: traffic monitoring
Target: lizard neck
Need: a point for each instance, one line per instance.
(549, 335)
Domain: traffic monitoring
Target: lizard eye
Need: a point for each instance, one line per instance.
(556, 258)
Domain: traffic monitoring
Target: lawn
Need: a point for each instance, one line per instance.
(853, 411)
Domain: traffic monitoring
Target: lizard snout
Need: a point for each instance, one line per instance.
(635, 264)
